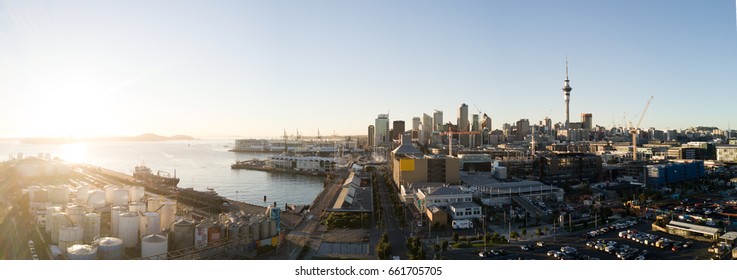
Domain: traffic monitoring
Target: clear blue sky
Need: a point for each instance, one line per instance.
(254, 68)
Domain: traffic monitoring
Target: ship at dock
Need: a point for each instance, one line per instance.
(162, 179)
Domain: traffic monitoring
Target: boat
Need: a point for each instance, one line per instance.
(161, 178)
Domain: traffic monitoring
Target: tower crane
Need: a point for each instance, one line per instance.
(635, 129)
(450, 134)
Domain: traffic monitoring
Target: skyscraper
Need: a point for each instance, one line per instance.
(427, 128)
(462, 123)
(437, 120)
(567, 93)
(397, 129)
(586, 121)
(371, 136)
(382, 129)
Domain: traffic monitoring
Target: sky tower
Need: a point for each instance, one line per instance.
(567, 92)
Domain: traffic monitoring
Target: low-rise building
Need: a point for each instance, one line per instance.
(465, 210)
(440, 196)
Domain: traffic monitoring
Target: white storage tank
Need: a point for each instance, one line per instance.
(168, 212)
(264, 229)
(137, 207)
(243, 230)
(70, 235)
(96, 198)
(32, 190)
(61, 220)
(135, 194)
(91, 227)
(233, 230)
(59, 194)
(110, 248)
(153, 204)
(272, 228)
(109, 189)
(154, 245)
(200, 234)
(149, 223)
(76, 214)
(128, 229)
(82, 194)
(50, 211)
(114, 218)
(182, 235)
(120, 197)
(81, 252)
(255, 232)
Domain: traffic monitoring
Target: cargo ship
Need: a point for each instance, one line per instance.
(144, 174)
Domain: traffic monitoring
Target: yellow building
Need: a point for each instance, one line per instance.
(409, 166)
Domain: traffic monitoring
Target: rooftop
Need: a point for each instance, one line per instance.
(464, 204)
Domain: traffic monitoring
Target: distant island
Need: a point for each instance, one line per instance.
(146, 137)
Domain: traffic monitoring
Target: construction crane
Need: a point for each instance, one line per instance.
(450, 134)
(634, 129)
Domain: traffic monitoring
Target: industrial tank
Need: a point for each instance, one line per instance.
(114, 218)
(168, 212)
(264, 229)
(233, 230)
(214, 234)
(128, 229)
(82, 194)
(110, 248)
(120, 197)
(153, 204)
(135, 194)
(109, 189)
(137, 207)
(255, 232)
(243, 230)
(59, 194)
(61, 219)
(81, 252)
(70, 235)
(76, 214)
(182, 235)
(91, 227)
(200, 234)
(272, 228)
(50, 211)
(96, 198)
(154, 245)
(149, 223)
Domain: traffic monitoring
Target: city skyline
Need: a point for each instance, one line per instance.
(255, 69)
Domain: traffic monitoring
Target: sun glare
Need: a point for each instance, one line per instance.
(74, 153)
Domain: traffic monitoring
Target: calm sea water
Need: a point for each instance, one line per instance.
(200, 164)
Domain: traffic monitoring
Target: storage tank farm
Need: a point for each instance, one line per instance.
(81, 252)
(149, 223)
(110, 248)
(115, 217)
(82, 194)
(128, 229)
(91, 227)
(154, 245)
(182, 235)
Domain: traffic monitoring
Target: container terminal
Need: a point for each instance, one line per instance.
(57, 210)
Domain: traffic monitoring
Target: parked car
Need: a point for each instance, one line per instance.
(540, 244)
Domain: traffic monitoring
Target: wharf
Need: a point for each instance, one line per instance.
(260, 165)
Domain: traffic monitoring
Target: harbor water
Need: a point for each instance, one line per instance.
(200, 164)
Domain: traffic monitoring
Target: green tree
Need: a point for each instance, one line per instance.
(514, 235)
(539, 232)
(524, 232)
(455, 237)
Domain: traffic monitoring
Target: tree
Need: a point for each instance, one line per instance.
(455, 237)
(524, 232)
(514, 235)
(444, 245)
(539, 232)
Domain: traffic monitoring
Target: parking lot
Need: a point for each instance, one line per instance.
(578, 250)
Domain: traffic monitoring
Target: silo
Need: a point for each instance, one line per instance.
(263, 227)
(255, 232)
(70, 235)
(50, 211)
(59, 194)
(182, 235)
(41, 197)
(109, 189)
(91, 227)
(110, 248)
(96, 198)
(120, 197)
(32, 190)
(76, 214)
(200, 234)
(114, 218)
(243, 230)
(153, 204)
(135, 194)
(82, 194)
(128, 229)
(61, 219)
(213, 234)
(149, 223)
(82, 252)
(168, 212)
(137, 207)
(233, 230)
(272, 228)
(154, 245)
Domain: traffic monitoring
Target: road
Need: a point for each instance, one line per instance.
(397, 235)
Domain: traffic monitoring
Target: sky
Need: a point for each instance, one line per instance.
(258, 68)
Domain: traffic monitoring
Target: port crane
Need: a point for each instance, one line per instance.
(634, 129)
(450, 134)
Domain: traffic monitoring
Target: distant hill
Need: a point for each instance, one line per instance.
(146, 137)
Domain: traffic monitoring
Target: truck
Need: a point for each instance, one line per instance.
(462, 224)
